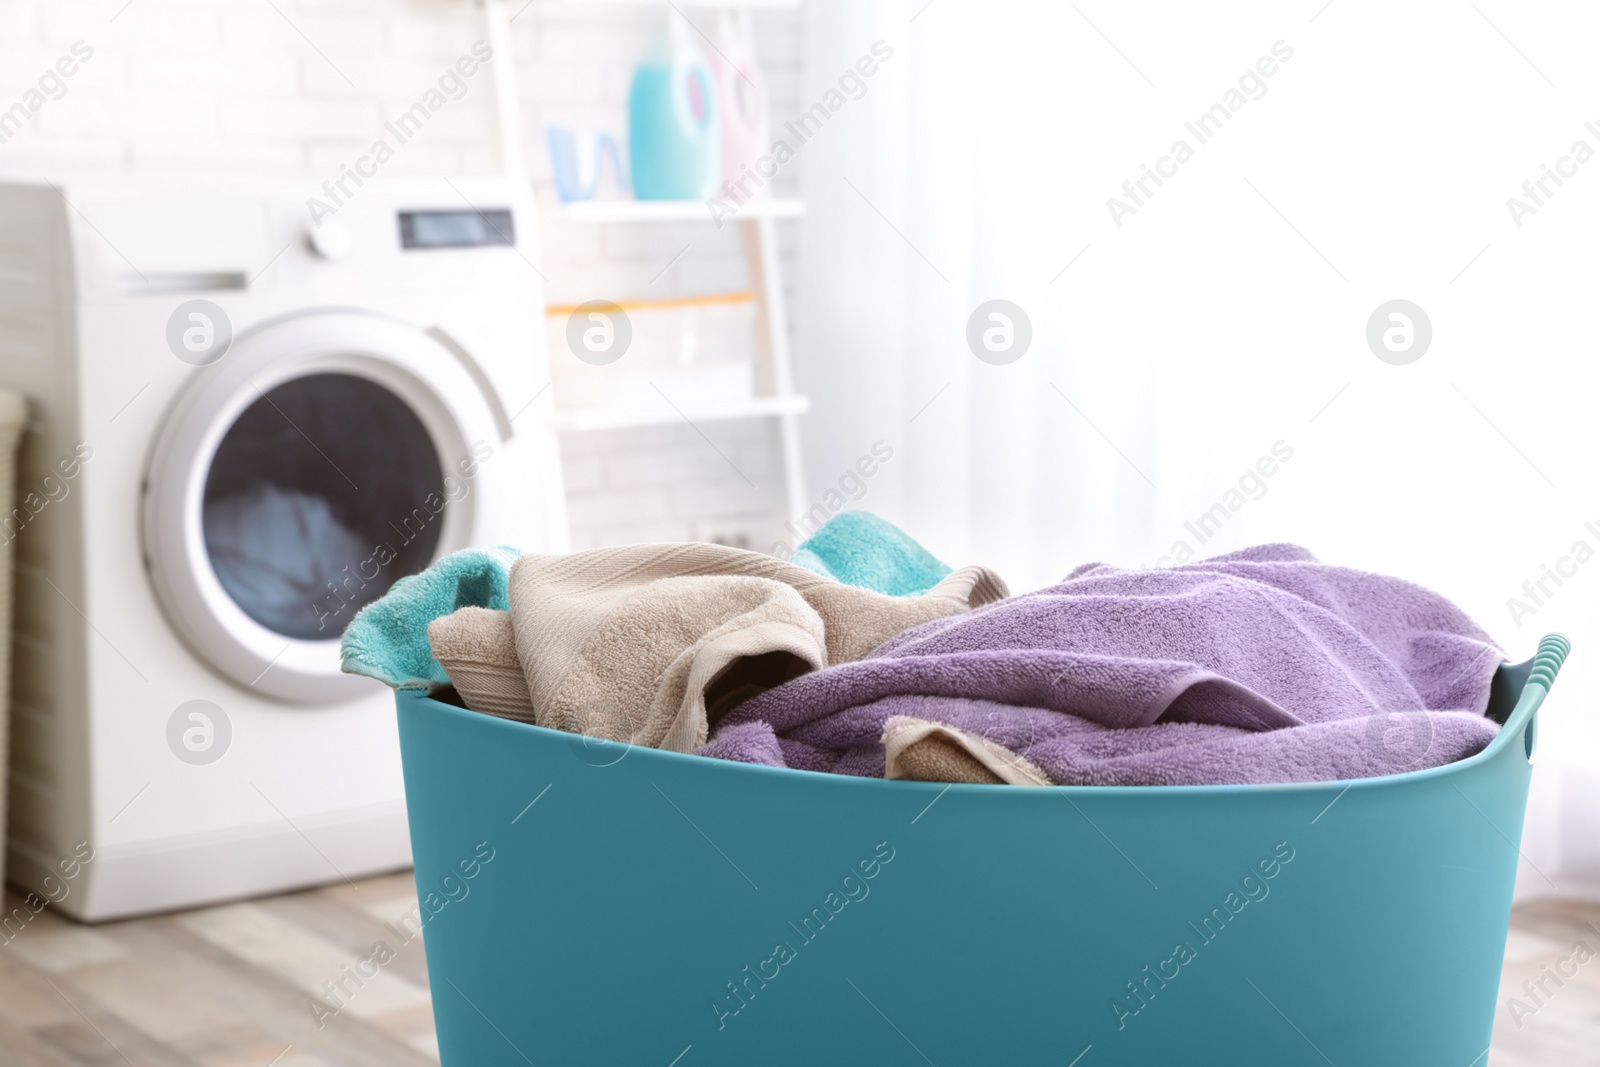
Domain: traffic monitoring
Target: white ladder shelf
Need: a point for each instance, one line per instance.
(775, 396)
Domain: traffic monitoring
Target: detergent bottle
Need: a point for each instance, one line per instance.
(742, 100)
(675, 141)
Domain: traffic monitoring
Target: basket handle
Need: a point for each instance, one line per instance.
(1537, 676)
(1548, 660)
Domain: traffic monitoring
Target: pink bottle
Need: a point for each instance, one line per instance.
(742, 94)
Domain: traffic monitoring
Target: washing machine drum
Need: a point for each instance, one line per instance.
(299, 507)
(298, 479)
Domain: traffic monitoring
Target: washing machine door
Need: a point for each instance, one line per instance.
(322, 459)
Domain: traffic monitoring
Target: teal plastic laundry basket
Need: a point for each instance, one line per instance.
(593, 903)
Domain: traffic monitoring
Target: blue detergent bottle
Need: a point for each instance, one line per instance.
(675, 141)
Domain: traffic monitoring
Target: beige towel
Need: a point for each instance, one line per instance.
(646, 643)
(924, 751)
(479, 651)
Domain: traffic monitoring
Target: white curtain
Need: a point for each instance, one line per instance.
(919, 213)
(1222, 324)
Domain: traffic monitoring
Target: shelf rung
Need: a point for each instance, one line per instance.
(625, 417)
(662, 303)
(776, 207)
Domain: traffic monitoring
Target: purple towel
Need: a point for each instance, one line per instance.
(1255, 667)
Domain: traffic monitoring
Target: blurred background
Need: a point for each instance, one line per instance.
(1170, 315)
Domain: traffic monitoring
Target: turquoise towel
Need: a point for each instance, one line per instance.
(858, 548)
(388, 639)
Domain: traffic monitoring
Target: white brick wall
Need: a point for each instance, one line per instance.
(299, 87)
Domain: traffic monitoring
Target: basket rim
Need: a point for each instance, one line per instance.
(1529, 700)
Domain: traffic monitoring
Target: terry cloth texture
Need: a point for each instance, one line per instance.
(480, 651)
(1256, 667)
(648, 644)
(388, 639)
(858, 548)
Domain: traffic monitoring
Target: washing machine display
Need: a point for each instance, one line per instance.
(456, 229)
(321, 495)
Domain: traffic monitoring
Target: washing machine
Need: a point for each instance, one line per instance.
(253, 409)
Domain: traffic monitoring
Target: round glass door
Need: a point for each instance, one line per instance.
(326, 457)
(322, 493)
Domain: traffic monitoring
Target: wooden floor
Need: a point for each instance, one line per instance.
(233, 986)
(230, 986)
(1559, 1024)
